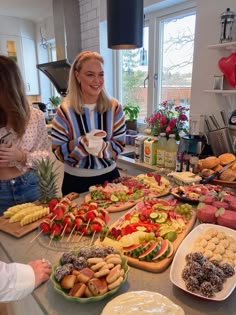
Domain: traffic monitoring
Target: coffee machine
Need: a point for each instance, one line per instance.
(196, 142)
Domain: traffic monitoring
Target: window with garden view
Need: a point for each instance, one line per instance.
(162, 69)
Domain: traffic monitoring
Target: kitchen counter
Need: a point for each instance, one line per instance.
(49, 302)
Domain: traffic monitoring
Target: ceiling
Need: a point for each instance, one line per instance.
(34, 10)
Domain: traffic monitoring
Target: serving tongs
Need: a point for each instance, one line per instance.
(215, 174)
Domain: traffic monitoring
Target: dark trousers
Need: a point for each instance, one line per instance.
(78, 184)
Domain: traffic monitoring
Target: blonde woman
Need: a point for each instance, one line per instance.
(88, 130)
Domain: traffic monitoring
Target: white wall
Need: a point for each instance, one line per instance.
(205, 64)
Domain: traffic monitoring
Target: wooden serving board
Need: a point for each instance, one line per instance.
(16, 229)
(159, 266)
(117, 207)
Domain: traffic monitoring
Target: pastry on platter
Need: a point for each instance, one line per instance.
(226, 158)
(228, 175)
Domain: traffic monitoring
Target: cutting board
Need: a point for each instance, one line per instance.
(15, 229)
(122, 206)
(160, 266)
(163, 264)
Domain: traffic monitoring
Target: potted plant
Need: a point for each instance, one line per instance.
(55, 102)
(131, 111)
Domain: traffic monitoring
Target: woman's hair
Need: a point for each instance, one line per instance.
(14, 106)
(74, 97)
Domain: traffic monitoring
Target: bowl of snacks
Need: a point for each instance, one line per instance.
(89, 274)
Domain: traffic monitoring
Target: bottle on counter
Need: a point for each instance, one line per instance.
(161, 148)
(171, 152)
(179, 162)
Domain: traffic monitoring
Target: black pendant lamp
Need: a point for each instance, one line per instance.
(125, 24)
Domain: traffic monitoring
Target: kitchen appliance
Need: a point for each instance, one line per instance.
(219, 137)
(227, 32)
(194, 146)
(58, 73)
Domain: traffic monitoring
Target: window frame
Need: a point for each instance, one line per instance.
(153, 20)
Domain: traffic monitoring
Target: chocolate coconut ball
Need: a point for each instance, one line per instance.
(217, 283)
(198, 257)
(195, 267)
(186, 273)
(85, 252)
(208, 267)
(99, 252)
(206, 289)
(227, 269)
(80, 263)
(67, 258)
(188, 257)
(61, 271)
(109, 250)
(192, 284)
(220, 273)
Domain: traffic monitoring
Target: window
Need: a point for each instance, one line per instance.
(162, 68)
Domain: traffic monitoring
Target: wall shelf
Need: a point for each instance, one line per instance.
(224, 46)
(222, 92)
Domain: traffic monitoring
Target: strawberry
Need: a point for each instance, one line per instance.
(96, 227)
(67, 221)
(78, 222)
(56, 230)
(58, 213)
(93, 206)
(52, 203)
(90, 216)
(45, 227)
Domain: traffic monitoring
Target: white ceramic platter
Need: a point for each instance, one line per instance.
(179, 262)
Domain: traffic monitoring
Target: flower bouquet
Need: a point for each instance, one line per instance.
(169, 118)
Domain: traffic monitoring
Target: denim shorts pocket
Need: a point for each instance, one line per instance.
(30, 179)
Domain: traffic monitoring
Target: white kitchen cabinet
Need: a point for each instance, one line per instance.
(29, 64)
(22, 50)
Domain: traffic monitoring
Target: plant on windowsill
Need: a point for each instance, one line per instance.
(55, 102)
(131, 111)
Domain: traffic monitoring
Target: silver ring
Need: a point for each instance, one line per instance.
(46, 261)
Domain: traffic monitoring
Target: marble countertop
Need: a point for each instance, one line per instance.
(51, 303)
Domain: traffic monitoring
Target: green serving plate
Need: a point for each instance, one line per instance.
(64, 293)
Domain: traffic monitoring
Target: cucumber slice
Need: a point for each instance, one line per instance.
(162, 217)
(154, 215)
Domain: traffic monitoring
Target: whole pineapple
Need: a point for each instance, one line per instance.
(47, 179)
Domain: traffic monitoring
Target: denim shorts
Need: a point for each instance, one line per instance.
(18, 190)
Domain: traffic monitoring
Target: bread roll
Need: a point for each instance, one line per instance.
(97, 286)
(228, 175)
(217, 168)
(85, 275)
(206, 172)
(68, 281)
(78, 289)
(226, 158)
(233, 167)
(210, 162)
